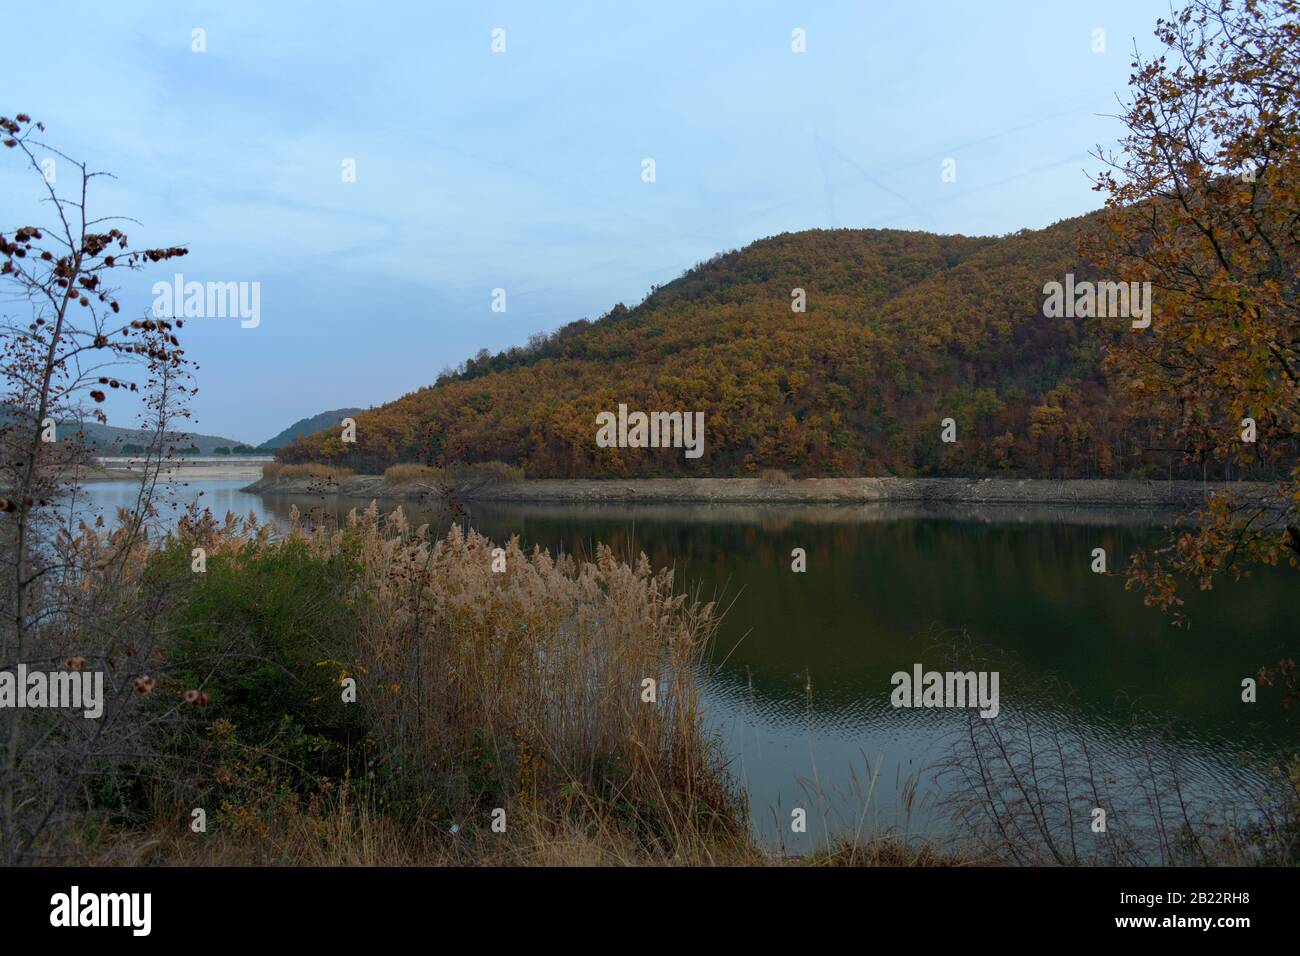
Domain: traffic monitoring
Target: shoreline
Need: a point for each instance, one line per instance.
(1099, 492)
(175, 470)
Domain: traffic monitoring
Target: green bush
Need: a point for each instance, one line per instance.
(265, 632)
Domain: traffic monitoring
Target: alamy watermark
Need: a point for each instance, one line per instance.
(75, 690)
(1102, 300)
(655, 430)
(75, 908)
(179, 299)
(922, 688)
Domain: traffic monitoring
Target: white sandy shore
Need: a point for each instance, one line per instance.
(183, 469)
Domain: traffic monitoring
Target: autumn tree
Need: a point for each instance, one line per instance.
(1203, 201)
(68, 346)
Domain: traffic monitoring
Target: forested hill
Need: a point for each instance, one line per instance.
(306, 426)
(901, 330)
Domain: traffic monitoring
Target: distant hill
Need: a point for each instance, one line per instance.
(307, 426)
(901, 331)
(111, 440)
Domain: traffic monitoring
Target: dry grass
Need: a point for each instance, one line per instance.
(526, 684)
(341, 832)
(489, 678)
(889, 851)
(275, 469)
(357, 836)
(516, 690)
(773, 476)
(520, 689)
(408, 473)
(466, 480)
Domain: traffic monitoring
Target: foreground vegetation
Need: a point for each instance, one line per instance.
(516, 696)
(408, 677)
(491, 687)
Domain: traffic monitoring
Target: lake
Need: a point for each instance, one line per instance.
(798, 691)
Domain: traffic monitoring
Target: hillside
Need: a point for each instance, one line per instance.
(111, 440)
(902, 330)
(308, 426)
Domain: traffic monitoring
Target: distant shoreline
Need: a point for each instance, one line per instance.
(181, 469)
(1099, 492)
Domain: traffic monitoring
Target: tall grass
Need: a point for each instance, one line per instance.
(276, 469)
(481, 687)
(409, 473)
(774, 476)
(453, 482)
(525, 686)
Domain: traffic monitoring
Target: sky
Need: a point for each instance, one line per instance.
(523, 168)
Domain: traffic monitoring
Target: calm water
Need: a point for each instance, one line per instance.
(800, 683)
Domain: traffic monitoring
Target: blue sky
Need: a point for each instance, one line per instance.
(522, 170)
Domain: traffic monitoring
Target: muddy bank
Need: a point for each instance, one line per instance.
(1099, 492)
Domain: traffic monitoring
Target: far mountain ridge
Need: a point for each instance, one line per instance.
(306, 426)
(112, 440)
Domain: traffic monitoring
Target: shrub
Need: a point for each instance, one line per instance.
(464, 480)
(409, 473)
(269, 637)
(275, 469)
